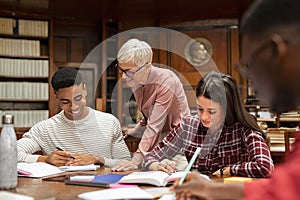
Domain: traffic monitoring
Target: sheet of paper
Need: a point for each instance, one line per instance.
(157, 192)
(120, 193)
(39, 169)
(168, 197)
(78, 168)
(14, 196)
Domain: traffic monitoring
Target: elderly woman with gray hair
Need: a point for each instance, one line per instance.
(159, 95)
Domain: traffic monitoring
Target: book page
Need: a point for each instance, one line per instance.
(177, 175)
(156, 178)
(38, 169)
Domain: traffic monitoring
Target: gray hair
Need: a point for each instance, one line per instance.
(136, 52)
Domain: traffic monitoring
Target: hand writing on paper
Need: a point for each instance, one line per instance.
(165, 165)
(194, 185)
(124, 165)
(57, 158)
(85, 159)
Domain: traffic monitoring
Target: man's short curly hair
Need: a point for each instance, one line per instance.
(65, 77)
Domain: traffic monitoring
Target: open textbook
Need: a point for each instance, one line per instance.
(41, 169)
(157, 178)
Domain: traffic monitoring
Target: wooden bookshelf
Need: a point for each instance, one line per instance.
(24, 69)
(109, 76)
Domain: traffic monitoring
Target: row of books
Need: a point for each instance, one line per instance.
(18, 47)
(26, 118)
(24, 90)
(24, 67)
(290, 114)
(24, 27)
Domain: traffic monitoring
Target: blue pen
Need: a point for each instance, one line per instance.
(188, 168)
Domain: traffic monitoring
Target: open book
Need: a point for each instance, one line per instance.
(41, 169)
(157, 178)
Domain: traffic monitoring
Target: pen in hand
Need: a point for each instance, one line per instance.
(188, 168)
(60, 149)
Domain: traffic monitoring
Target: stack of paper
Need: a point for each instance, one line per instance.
(41, 169)
(37, 170)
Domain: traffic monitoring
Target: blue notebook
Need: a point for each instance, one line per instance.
(104, 180)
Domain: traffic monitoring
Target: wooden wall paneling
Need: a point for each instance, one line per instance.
(218, 39)
(72, 41)
(89, 72)
(224, 40)
(109, 76)
(163, 46)
(60, 50)
(103, 81)
(53, 105)
(77, 50)
(235, 57)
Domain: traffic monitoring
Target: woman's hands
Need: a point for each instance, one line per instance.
(165, 166)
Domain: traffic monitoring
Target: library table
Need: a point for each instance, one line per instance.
(56, 189)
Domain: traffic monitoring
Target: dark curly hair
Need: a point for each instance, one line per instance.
(65, 77)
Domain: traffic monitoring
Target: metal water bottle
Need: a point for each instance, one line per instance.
(8, 154)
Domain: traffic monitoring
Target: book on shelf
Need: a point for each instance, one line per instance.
(13, 67)
(20, 47)
(24, 27)
(26, 118)
(290, 115)
(41, 169)
(24, 90)
(156, 178)
(6, 25)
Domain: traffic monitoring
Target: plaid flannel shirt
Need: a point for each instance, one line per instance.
(236, 145)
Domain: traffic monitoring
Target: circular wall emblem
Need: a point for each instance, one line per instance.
(198, 51)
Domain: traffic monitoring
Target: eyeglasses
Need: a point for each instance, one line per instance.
(128, 72)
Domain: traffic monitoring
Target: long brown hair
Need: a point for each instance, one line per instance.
(222, 88)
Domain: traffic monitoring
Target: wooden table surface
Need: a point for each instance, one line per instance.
(53, 190)
(57, 190)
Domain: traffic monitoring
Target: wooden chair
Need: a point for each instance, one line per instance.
(289, 137)
(132, 143)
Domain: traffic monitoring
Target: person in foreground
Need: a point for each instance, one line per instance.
(87, 136)
(231, 141)
(159, 95)
(270, 47)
